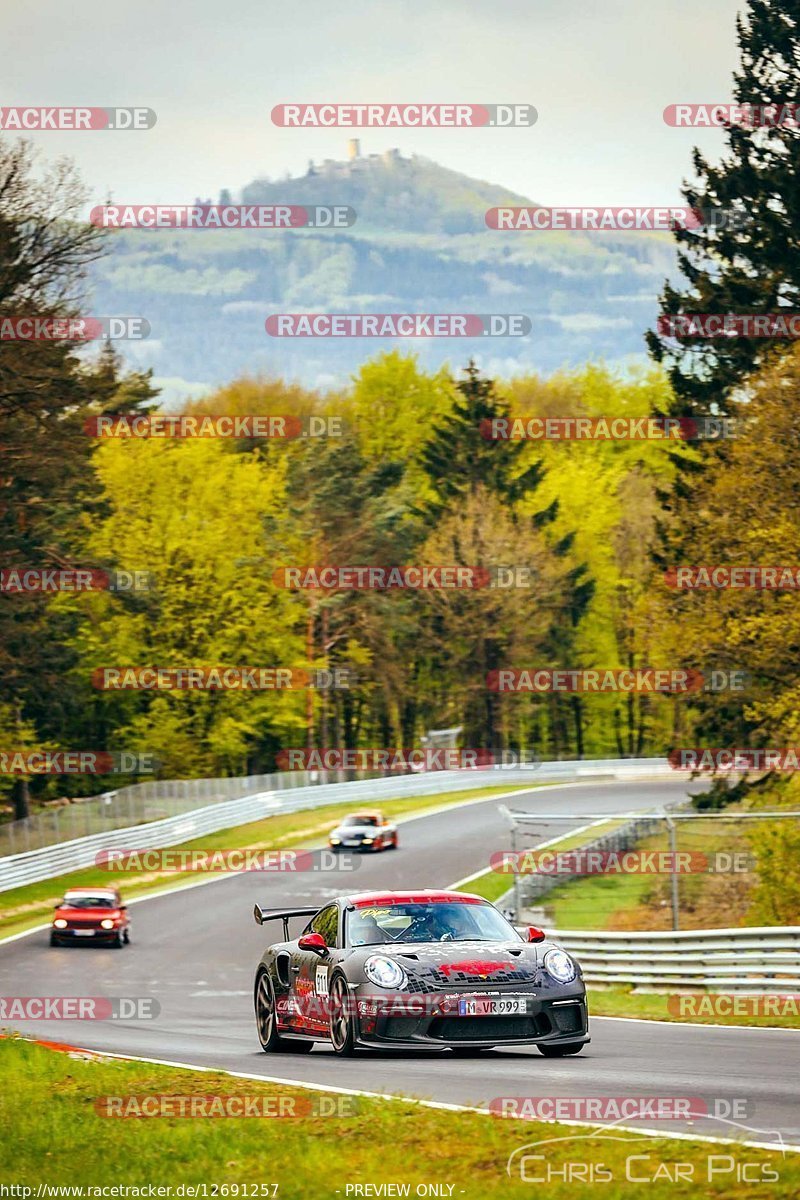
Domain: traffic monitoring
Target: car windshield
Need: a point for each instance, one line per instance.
(349, 822)
(89, 901)
(435, 922)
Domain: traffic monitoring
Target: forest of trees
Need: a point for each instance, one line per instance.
(412, 480)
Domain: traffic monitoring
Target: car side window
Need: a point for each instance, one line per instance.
(327, 923)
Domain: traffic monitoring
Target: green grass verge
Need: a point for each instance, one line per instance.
(594, 902)
(25, 907)
(494, 884)
(651, 1006)
(60, 1139)
(707, 899)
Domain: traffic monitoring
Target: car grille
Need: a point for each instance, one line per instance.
(400, 1027)
(459, 1029)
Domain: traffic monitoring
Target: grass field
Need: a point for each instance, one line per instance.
(494, 884)
(623, 1002)
(706, 899)
(52, 1103)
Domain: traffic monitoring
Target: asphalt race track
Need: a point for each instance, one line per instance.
(195, 951)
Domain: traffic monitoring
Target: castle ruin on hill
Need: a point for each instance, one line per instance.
(355, 161)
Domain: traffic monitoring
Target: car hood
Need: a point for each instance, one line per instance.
(65, 912)
(433, 965)
(354, 830)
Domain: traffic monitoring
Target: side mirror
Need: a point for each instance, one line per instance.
(535, 935)
(316, 942)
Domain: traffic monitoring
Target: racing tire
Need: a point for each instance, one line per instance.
(118, 942)
(394, 843)
(267, 1025)
(54, 940)
(127, 937)
(560, 1051)
(342, 1027)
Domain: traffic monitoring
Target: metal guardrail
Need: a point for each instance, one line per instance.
(51, 861)
(136, 804)
(763, 960)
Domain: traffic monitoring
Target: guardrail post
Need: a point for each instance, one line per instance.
(673, 853)
(517, 904)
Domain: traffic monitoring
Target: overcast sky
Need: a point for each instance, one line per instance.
(600, 75)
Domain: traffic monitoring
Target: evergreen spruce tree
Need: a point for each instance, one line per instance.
(749, 264)
(459, 458)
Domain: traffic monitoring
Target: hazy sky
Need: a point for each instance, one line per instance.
(600, 75)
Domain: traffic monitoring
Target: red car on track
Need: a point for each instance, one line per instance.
(91, 914)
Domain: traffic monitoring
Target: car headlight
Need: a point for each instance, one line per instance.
(384, 971)
(368, 841)
(559, 964)
(107, 923)
(60, 923)
(334, 840)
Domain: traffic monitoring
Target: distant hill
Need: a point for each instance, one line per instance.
(392, 194)
(420, 244)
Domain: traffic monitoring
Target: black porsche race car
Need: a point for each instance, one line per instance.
(418, 969)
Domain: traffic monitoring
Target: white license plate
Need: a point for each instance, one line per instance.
(492, 1008)
(83, 932)
(349, 842)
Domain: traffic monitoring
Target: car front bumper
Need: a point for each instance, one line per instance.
(382, 1023)
(86, 935)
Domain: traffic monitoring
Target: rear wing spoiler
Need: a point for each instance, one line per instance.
(262, 915)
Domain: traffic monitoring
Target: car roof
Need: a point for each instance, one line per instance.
(417, 896)
(365, 812)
